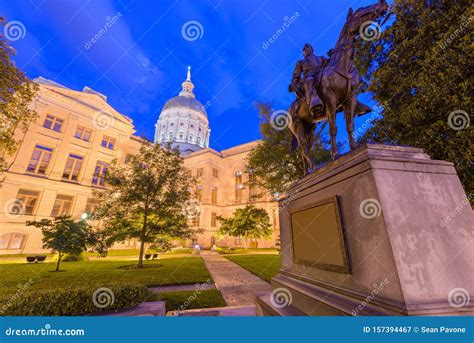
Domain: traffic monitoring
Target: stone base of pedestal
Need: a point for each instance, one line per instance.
(384, 230)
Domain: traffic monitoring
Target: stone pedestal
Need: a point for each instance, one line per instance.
(384, 230)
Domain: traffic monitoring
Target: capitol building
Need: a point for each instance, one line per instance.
(65, 153)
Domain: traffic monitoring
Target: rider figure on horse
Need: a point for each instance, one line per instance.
(311, 67)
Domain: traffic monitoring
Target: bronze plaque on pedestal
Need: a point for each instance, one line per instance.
(318, 238)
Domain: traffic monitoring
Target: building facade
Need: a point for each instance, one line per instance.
(65, 153)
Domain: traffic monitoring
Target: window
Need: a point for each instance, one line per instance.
(214, 195)
(170, 136)
(191, 138)
(73, 167)
(195, 220)
(200, 140)
(215, 172)
(238, 187)
(12, 240)
(53, 123)
(39, 160)
(253, 191)
(108, 142)
(62, 205)
(99, 173)
(83, 133)
(213, 220)
(91, 206)
(25, 202)
(200, 172)
(181, 136)
(199, 193)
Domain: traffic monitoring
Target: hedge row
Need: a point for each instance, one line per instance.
(73, 302)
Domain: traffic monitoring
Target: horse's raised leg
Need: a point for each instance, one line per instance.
(330, 112)
(349, 110)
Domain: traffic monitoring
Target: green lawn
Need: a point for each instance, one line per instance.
(111, 253)
(226, 251)
(264, 265)
(188, 300)
(170, 271)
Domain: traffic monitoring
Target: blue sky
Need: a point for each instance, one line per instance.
(141, 60)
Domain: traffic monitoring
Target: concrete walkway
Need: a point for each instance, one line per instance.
(180, 288)
(154, 308)
(236, 284)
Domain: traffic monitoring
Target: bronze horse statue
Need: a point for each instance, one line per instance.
(337, 87)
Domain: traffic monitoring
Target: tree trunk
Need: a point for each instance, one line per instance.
(59, 261)
(142, 243)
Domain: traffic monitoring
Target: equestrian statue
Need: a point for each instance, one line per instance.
(325, 87)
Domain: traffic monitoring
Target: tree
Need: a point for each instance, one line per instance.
(16, 95)
(64, 235)
(420, 70)
(145, 198)
(248, 222)
(162, 244)
(271, 165)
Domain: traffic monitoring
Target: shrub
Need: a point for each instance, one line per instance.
(71, 302)
(180, 251)
(224, 251)
(73, 258)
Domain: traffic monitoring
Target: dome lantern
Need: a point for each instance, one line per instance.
(187, 85)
